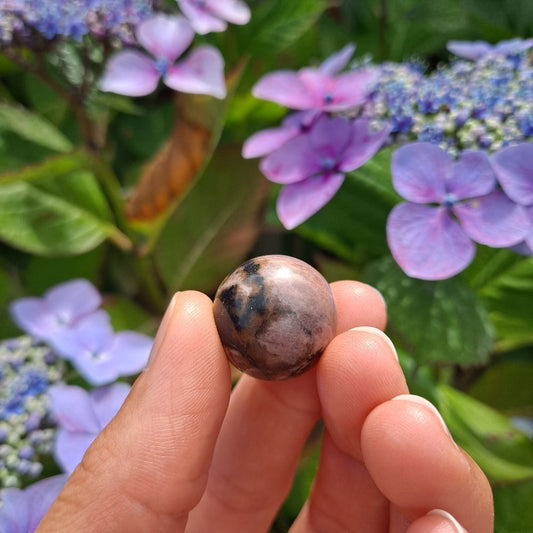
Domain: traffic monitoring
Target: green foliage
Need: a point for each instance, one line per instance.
(441, 321)
(32, 127)
(504, 453)
(513, 512)
(215, 226)
(126, 314)
(507, 387)
(54, 209)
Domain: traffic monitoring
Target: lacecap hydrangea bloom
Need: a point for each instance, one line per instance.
(134, 73)
(69, 319)
(28, 368)
(475, 50)
(311, 152)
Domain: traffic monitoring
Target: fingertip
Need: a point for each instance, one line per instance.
(436, 521)
(358, 304)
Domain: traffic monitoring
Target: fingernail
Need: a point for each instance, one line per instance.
(376, 331)
(161, 331)
(448, 516)
(422, 401)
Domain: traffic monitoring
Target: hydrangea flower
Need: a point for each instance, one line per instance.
(212, 15)
(59, 308)
(98, 353)
(22, 510)
(312, 166)
(478, 49)
(81, 416)
(436, 241)
(318, 88)
(134, 73)
(27, 369)
(514, 170)
(266, 141)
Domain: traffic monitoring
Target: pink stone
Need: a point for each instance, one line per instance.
(275, 315)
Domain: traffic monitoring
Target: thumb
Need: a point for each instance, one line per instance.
(149, 466)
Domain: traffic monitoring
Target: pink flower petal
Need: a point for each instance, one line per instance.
(234, 11)
(493, 220)
(201, 18)
(285, 88)
(329, 137)
(471, 176)
(130, 73)
(514, 170)
(351, 89)
(426, 242)
(293, 162)
(266, 141)
(420, 171)
(201, 72)
(363, 144)
(297, 202)
(337, 61)
(165, 37)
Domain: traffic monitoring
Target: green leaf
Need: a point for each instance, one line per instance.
(503, 453)
(59, 213)
(353, 224)
(44, 100)
(441, 321)
(513, 512)
(33, 128)
(277, 24)
(215, 226)
(507, 387)
(508, 298)
(7, 294)
(126, 314)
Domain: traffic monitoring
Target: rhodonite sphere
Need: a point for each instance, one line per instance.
(275, 315)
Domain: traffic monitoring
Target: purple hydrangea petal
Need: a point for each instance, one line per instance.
(201, 72)
(15, 510)
(297, 202)
(513, 46)
(293, 162)
(90, 334)
(34, 317)
(420, 171)
(472, 175)
(529, 236)
(493, 220)
(426, 242)
(130, 351)
(165, 37)
(469, 49)
(69, 448)
(351, 89)
(284, 87)
(130, 73)
(363, 144)
(107, 401)
(234, 11)
(266, 141)
(337, 61)
(72, 408)
(73, 299)
(41, 495)
(200, 17)
(523, 248)
(330, 136)
(98, 369)
(514, 169)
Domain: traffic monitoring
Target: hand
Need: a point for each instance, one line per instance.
(182, 456)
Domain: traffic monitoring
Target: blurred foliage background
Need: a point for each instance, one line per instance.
(158, 199)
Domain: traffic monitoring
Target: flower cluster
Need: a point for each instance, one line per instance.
(486, 104)
(312, 151)
(19, 19)
(27, 369)
(68, 318)
(452, 204)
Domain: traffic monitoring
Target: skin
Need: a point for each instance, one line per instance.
(183, 454)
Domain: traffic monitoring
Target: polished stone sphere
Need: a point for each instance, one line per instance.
(275, 315)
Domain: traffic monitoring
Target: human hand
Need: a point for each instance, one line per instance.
(182, 456)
